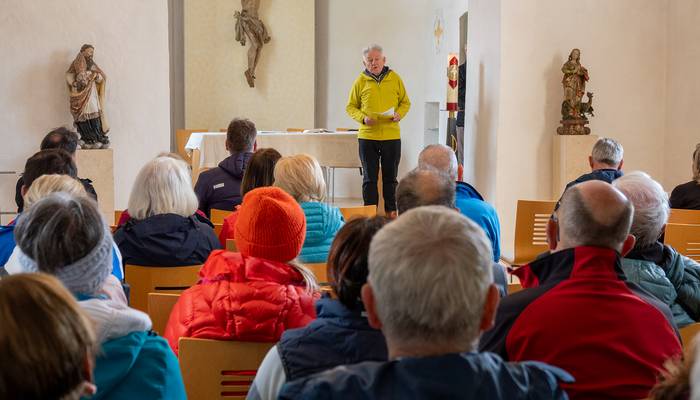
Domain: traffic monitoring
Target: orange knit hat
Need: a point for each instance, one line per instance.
(270, 225)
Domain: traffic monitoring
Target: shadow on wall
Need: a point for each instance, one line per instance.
(484, 144)
(552, 116)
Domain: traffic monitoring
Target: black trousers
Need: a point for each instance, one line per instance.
(374, 153)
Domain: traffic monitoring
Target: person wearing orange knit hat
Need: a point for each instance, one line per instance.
(257, 293)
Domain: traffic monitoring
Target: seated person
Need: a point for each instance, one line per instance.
(681, 378)
(430, 187)
(64, 236)
(220, 187)
(38, 311)
(468, 200)
(432, 303)
(578, 312)
(657, 268)
(256, 294)
(340, 334)
(687, 195)
(259, 173)
(162, 231)
(301, 177)
(44, 186)
(59, 138)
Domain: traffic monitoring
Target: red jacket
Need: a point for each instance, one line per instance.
(241, 298)
(228, 227)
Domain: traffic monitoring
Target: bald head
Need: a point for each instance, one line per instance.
(425, 187)
(594, 213)
(440, 157)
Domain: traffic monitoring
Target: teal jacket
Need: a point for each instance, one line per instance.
(322, 223)
(670, 277)
(139, 365)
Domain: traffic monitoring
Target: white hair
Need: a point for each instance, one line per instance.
(163, 186)
(371, 47)
(430, 271)
(607, 151)
(651, 207)
(440, 157)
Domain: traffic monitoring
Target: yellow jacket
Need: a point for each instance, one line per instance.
(369, 99)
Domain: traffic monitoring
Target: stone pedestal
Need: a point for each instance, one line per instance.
(98, 166)
(570, 159)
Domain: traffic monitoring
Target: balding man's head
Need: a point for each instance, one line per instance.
(594, 213)
(440, 157)
(425, 187)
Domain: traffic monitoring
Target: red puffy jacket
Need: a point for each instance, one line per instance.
(241, 298)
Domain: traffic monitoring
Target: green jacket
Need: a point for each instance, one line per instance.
(675, 281)
(369, 99)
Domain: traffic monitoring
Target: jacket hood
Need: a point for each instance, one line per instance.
(113, 319)
(235, 164)
(322, 222)
(468, 191)
(224, 265)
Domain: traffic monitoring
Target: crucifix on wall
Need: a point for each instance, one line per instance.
(249, 27)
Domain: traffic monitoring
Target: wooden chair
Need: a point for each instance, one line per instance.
(299, 130)
(159, 307)
(530, 230)
(117, 216)
(320, 272)
(678, 216)
(218, 228)
(514, 288)
(217, 216)
(231, 245)
(688, 332)
(181, 138)
(685, 238)
(362, 211)
(145, 280)
(215, 369)
(223, 129)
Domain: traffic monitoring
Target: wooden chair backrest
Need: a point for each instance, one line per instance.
(531, 229)
(320, 272)
(215, 369)
(689, 332)
(685, 238)
(159, 307)
(295, 130)
(145, 280)
(117, 216)
(361, 211)
(223, 129)
(217, 216)
(231, 245)
(514, 288)
(181, 138)
(679, 216)
(218, 228)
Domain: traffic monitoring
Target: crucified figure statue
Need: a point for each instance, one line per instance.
(250, 27)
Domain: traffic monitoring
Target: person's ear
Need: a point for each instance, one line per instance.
(89, 388)
(590, 161)
(619, 167)
(488, 317)
(628, 245)
(23, 190)
(370, 306)
(552, 233)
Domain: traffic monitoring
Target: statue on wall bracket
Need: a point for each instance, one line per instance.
(573, 111)
(86, 84)
(250, 27)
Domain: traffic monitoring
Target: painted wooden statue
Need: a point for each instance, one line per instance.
(249, 27)
(573, 110)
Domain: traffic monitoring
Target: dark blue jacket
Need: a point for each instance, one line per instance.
(166, 240)
(220, 187)
(472, 205)
(337, 336)
(606, 175)
(462, 376)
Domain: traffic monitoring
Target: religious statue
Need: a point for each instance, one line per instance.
(249, 25)
(86, 83)
(573, 111)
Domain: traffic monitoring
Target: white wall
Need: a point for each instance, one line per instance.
(41, 39)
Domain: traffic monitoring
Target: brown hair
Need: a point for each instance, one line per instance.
(260, 170)
(50, 161)
(674, 382)
(46, 341)
(347, 258)
(240, 135)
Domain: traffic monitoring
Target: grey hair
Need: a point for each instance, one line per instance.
(371, 47)
(59, 229)
(425, 187)
(607, 151)
(440, 157)
(696, 166)
(651, 208)
(163, 186)
(578, 223)
(430, 271)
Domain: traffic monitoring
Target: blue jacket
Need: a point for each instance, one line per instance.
(322, 223)
(452, 376)
(472, 205)
(220, 187)
(605, 175)
(139, 365)
(337, 336)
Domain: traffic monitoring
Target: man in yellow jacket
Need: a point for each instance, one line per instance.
(378, 101)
